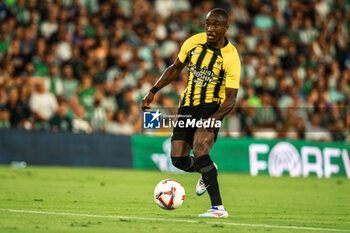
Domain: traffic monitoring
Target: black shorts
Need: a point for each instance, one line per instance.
(202, 111)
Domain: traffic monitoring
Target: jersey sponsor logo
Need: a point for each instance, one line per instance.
(203, 76)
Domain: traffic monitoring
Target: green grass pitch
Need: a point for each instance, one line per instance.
(118, 200)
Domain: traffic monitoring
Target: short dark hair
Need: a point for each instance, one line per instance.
(221, 12)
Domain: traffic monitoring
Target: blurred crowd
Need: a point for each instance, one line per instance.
(84, 65)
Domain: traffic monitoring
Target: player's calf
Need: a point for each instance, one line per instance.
(209, 174)
(200, 187)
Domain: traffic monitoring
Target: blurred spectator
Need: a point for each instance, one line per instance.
(297, 130)
(43, 105)
(231, 125)
(61, 121)
(64, 47)
(70, 84)
(308, 33)
(17, 111)
(111, 125)
(125, 100)
(55, 81)
(263, 20)
(76, 62)
(5, 119)
(314, 130)
(120, 125)
(86, 94)
(241, 14)
(50, 25)
(265, 115)
(109, 101)
(99, 117)
(135, 117)
(338, 132)
(247, 115)
(80, 125)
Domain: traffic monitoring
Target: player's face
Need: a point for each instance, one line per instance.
(215, 27)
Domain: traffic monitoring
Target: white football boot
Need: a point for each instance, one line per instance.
(215, 212)
(200, 187)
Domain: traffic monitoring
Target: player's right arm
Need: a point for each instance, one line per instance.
(174, 70)
(167, 77)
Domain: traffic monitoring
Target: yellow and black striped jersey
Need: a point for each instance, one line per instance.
(210, 71)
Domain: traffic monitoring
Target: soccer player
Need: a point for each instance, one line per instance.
(214, 71)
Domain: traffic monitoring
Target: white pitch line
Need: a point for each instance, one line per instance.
(175, 220)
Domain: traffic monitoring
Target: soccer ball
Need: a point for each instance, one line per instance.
(169, 194)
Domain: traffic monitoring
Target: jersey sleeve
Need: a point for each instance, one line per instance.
(185, 48)
(232, 67)
(188, 45)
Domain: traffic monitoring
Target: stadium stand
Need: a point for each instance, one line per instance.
(100, 57)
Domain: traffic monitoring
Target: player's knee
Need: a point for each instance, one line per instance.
(183, 163)
(178, 162)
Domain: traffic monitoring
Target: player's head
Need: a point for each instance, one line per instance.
(216, 25)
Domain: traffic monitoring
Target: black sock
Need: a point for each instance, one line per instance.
(186, 163)
(209, 174)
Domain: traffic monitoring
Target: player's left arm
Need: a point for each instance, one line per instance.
(232, 67)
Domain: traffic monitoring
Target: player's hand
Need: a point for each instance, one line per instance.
(146, 101)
